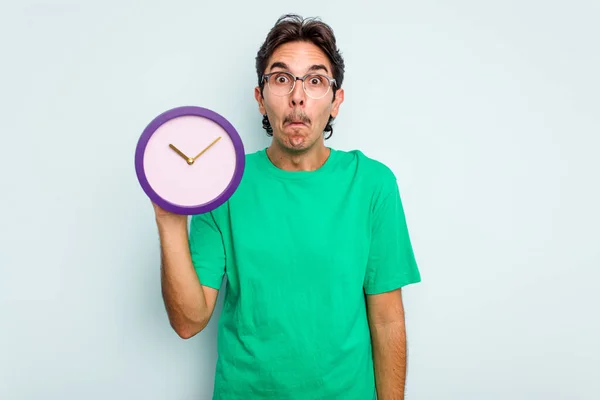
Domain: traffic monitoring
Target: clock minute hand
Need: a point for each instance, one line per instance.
(207, 147)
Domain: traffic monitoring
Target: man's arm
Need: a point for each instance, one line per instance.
(188, 303)
(388, 340)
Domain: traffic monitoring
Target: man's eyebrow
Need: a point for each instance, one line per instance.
(318, 67)
(282, 65)
(279, 64)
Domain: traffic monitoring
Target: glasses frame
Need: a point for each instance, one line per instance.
(295, 78)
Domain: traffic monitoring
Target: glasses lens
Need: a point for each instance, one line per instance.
(316, 85)
(281, 83)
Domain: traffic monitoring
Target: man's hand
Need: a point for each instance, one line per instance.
(163, 215)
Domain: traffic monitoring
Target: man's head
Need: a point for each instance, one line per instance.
(298, 113)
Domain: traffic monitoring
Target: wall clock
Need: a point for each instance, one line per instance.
(189, 160)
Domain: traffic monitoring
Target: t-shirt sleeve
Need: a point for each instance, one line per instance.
(391, 263)
(207, 250)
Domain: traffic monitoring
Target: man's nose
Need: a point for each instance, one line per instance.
(297, 95)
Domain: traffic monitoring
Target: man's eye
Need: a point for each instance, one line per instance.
(316, 81)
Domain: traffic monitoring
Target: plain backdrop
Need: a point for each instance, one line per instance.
(488, 113)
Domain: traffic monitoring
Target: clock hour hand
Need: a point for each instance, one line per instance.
(186, 158)
(207, 147)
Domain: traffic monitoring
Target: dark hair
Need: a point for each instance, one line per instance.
(290, 28)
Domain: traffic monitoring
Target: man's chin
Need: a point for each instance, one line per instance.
(295, 143)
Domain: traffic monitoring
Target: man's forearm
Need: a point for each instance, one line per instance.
(182, 293)
(389, 356)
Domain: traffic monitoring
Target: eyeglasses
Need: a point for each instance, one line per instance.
(315, 86)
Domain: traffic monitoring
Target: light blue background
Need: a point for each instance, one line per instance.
(488, 112)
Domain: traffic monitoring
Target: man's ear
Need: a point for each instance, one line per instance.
(260, 100)
(339, 99)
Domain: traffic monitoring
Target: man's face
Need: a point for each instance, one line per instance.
(297, 119)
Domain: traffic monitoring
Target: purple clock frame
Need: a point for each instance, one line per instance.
(166, 116)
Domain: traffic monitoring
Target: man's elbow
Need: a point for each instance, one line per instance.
(189, 329)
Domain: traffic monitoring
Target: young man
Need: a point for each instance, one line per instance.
(314, 244)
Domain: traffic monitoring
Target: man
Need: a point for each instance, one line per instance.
(314, 244)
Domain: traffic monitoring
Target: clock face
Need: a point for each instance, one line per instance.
(189, 160)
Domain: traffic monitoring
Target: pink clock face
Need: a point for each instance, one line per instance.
(189, 160)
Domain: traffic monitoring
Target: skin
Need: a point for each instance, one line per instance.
(388, 340)
(302, 148)
(298, 147)
(295, 148)
(188, 303)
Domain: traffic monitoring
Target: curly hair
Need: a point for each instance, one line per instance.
(292, 27)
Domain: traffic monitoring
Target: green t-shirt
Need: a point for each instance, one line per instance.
(300, 250)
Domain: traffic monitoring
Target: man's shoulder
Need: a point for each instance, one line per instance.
(253, 163)
(365, 165)
(252, 156)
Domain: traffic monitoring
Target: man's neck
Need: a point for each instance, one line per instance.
(309, 160)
